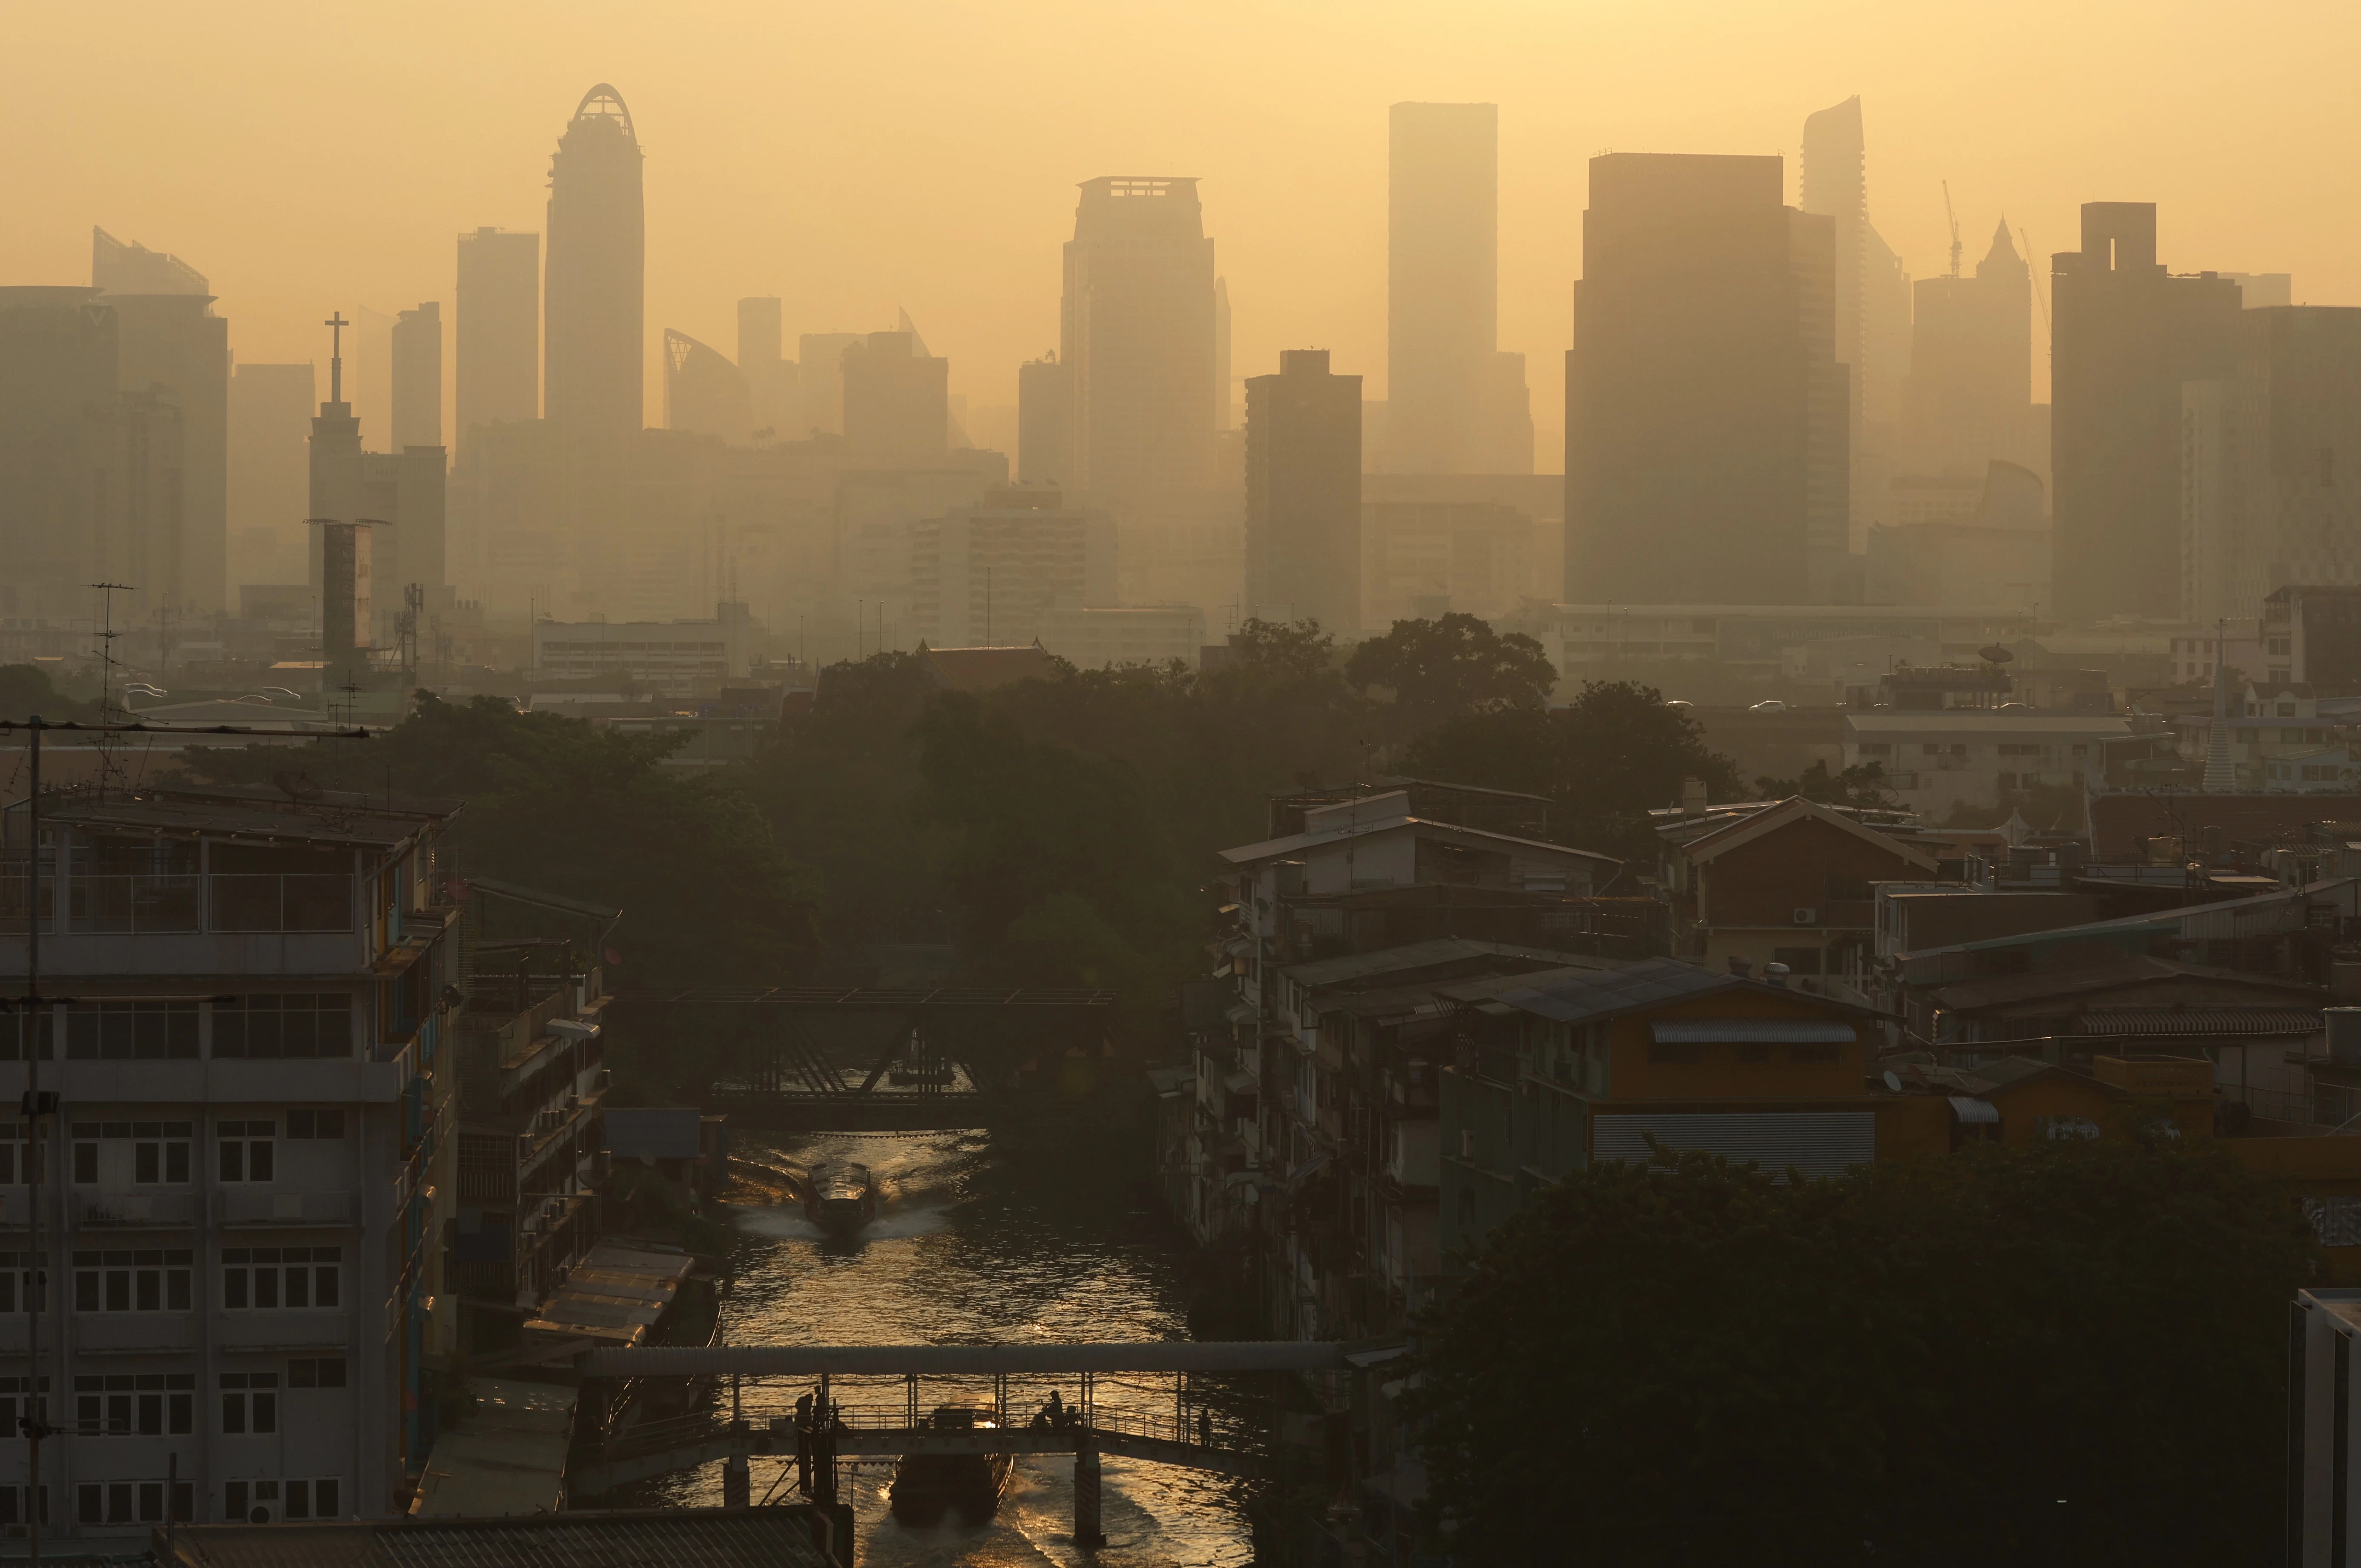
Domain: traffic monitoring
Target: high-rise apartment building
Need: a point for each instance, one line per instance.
(595, 379)
(820, 362)
(771, 380)
(418, 378)
(703, 391)
(1136, 335)
(498, 372)
(2127, 337)
(1454, 403)
(1970, 397)
(1706, 409)
(1045, 420)
(1873, 304)
(168, 343)
(896, 399)
(1303, 493)
(57, 395)
(2271, 463)
(270, 419)
(987, 575)
(397, 500)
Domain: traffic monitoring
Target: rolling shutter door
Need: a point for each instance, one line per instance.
(1818, 1143)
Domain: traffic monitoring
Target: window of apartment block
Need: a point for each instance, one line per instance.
(295, 1025)
(316, 1372)
(16, 1404)
(116, 1154)
(142, 1404)
(15, 1506)
(143, 1281)
(249, 1403)
(315, 1123)
(132, 1031)
(18, 1287)
(130, 1502)
(16, 1149)
(246, 1150)
(261, 1502)
(265, 1278)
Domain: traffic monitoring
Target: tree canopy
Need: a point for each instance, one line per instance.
(1607, 758)
(2072, 1354)
(1450, 667)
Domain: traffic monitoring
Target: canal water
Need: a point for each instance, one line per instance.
(983, 1237)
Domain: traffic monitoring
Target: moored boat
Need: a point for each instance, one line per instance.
(928, 1487)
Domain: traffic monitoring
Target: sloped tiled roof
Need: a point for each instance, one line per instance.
(988, 669)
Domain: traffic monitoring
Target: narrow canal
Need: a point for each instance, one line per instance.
(985, 1238)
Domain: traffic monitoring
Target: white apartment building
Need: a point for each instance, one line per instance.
(1937, 760)
(1146, 634)
(242, 1215)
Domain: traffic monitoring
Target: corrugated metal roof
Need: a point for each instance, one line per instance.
(1971, 1110)
(1407, 958)
(2264, 1022)
(1750, 1032)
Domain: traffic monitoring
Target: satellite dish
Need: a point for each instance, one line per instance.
(1996, 653)
(297, 786)
(1894, 1081)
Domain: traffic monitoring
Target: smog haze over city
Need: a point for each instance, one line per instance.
(1221, 786)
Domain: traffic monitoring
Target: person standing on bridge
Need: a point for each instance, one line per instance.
(1204, 1426)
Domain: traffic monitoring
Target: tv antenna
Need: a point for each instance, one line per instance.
(110, 770)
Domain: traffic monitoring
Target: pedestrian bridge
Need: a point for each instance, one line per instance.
(822, 1425)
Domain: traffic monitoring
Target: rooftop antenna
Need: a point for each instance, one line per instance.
(109, 771)
(336, 325)
(1954, 220)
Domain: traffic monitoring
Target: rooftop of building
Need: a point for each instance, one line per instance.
(1649, 983)
(988, 669)
(2088, 979)
(267, 816)
(653, 1538)
(2122, 821)
(1292, 843)
(1985, 720)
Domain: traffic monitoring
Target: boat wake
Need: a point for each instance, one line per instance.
(896, 1224)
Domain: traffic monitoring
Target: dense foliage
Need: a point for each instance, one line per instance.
(1450, 667)
(2065, 1355)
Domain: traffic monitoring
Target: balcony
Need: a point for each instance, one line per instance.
(134, 1211)
(264, 1209)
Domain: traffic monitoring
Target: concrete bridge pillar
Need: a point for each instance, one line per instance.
(736, 1481)
(1087, 1533)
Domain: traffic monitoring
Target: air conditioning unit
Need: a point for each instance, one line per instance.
(1808, 917)
(262, 1513)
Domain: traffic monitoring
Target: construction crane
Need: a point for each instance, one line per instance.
(1954, 218)
(2039, 298)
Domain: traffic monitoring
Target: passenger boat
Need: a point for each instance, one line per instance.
(841, 1197)
(926, 1487)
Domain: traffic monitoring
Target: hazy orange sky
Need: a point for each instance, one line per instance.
(854, 157)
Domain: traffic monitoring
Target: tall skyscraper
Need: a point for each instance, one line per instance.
(1873, 304)
(395, 502)
(771, 382)
(2127, 337)
(595, 381)
(1136, 335)
(1222, 410)
(1454, 403)
(418, 378)
(270, 407)
(820, 367)
(703, 391)
(170, 342)
(896, 399)
(1705, 411)
(1970, 390)
(499, 329)
(1303, 493)
(2272, 462)
(1045, 420)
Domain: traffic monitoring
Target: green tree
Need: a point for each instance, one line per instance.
(2066, 1355)
(26, 689)
(1451, 667)
(1862, 785)
(1607, 758)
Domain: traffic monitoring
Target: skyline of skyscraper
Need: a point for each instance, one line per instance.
(1136, 335)
(1969, 398)
(1454, 404)
(1705, 425)
(703, 391)
(499, 331)
(1872, 304)
(1303, 493)
(2128, 335)
(417, 418)
(594, 383)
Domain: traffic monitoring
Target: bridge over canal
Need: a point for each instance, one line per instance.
(823, 1426)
